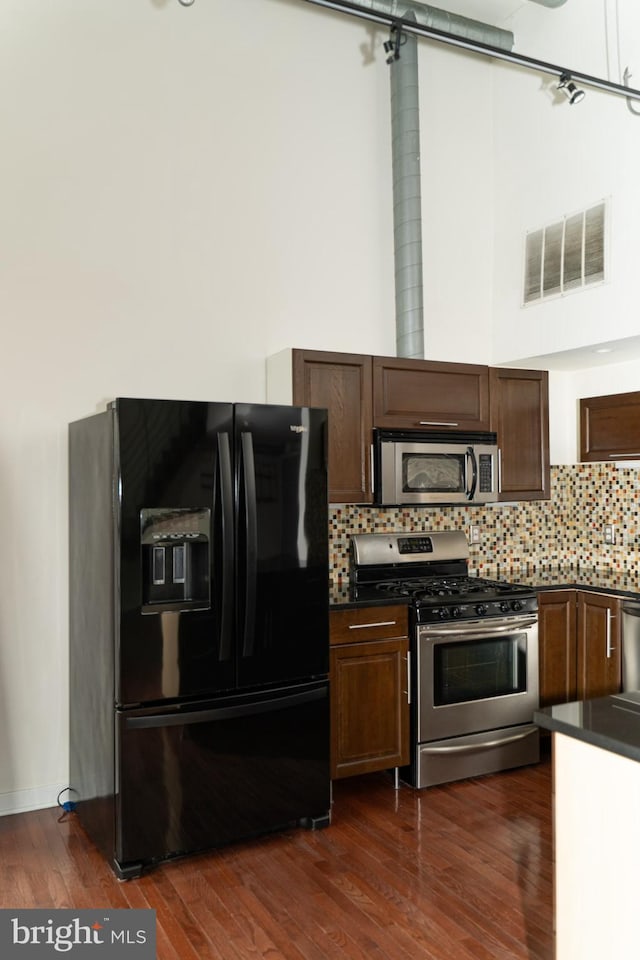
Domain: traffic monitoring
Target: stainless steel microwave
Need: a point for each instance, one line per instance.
(434, 468)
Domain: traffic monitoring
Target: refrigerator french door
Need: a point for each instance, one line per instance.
(199, 589)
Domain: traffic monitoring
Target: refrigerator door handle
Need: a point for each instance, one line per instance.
(224, 713)
(226, 521)
(251, 543)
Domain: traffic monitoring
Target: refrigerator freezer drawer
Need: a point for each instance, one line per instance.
(219, 771)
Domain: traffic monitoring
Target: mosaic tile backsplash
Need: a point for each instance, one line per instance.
(566, 529)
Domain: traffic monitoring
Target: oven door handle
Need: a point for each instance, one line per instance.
(479, 628)
(477, 747)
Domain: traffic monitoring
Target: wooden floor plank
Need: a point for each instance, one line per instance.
(456, 872)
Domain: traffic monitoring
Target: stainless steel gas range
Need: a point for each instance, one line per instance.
(474, 653)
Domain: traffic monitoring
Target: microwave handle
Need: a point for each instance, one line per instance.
(474, 467)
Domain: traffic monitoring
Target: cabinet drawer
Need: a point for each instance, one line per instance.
(368, 623)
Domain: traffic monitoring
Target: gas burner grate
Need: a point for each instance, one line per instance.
(429, 571)
(436, 589)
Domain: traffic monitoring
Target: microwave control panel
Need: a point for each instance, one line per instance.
(485, 472)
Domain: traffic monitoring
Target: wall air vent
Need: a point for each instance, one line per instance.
(566, 256)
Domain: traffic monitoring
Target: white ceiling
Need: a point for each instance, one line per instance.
(583, 358)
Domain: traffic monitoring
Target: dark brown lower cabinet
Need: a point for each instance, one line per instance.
(579, 641)
(369, 679)
(599, 653)
(558, 654)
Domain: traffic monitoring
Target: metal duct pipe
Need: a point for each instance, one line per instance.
(437, 19)
(405, 151)
(407, 204)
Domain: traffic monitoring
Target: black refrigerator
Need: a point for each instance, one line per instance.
(199, 638)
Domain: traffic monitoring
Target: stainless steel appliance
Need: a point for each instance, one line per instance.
(198, 625)
(411, 467)
(630, 644)
(474, 651)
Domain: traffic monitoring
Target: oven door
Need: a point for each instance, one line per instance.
(476, 675)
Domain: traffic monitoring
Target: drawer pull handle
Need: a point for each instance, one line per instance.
(610, 646)
(437, 423)
(363, 626)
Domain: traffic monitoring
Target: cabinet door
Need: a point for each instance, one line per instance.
(610, 427)
(410, 394)
(557, 647)
(369, 707)
(599, 654)
(342, 384)
(520, 417)
(369, 681)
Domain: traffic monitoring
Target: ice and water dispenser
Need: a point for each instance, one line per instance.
(176, 547)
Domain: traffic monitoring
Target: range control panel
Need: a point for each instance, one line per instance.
(478, 610)
(415, 545)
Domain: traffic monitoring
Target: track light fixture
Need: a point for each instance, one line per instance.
(572, 93)
(396, 39)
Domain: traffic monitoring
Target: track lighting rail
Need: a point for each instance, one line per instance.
(430, 33)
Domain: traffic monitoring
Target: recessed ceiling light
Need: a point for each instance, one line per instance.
(604, 350)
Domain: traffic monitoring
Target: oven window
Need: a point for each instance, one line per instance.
(479, 669)
(433, 472)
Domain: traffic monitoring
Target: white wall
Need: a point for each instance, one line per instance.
(554, 159)
(457, 162)
(582, 166)
(568, 388)
(185, 191)
(563, 426)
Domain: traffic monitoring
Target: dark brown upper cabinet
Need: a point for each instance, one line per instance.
(429, 395)
(361, 391)
(610, 427)
(520, 417)
(341, 382)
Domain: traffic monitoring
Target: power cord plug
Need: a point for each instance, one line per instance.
(68, 806)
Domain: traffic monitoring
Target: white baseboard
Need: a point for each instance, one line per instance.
(37, 798)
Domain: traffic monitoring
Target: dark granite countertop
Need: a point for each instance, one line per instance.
(608, 580)
(621, 582)
(612, 723)
(340, 597)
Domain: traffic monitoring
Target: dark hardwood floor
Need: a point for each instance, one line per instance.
(458, 871)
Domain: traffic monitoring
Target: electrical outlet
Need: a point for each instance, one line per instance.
(474, 534)
(609, 533)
